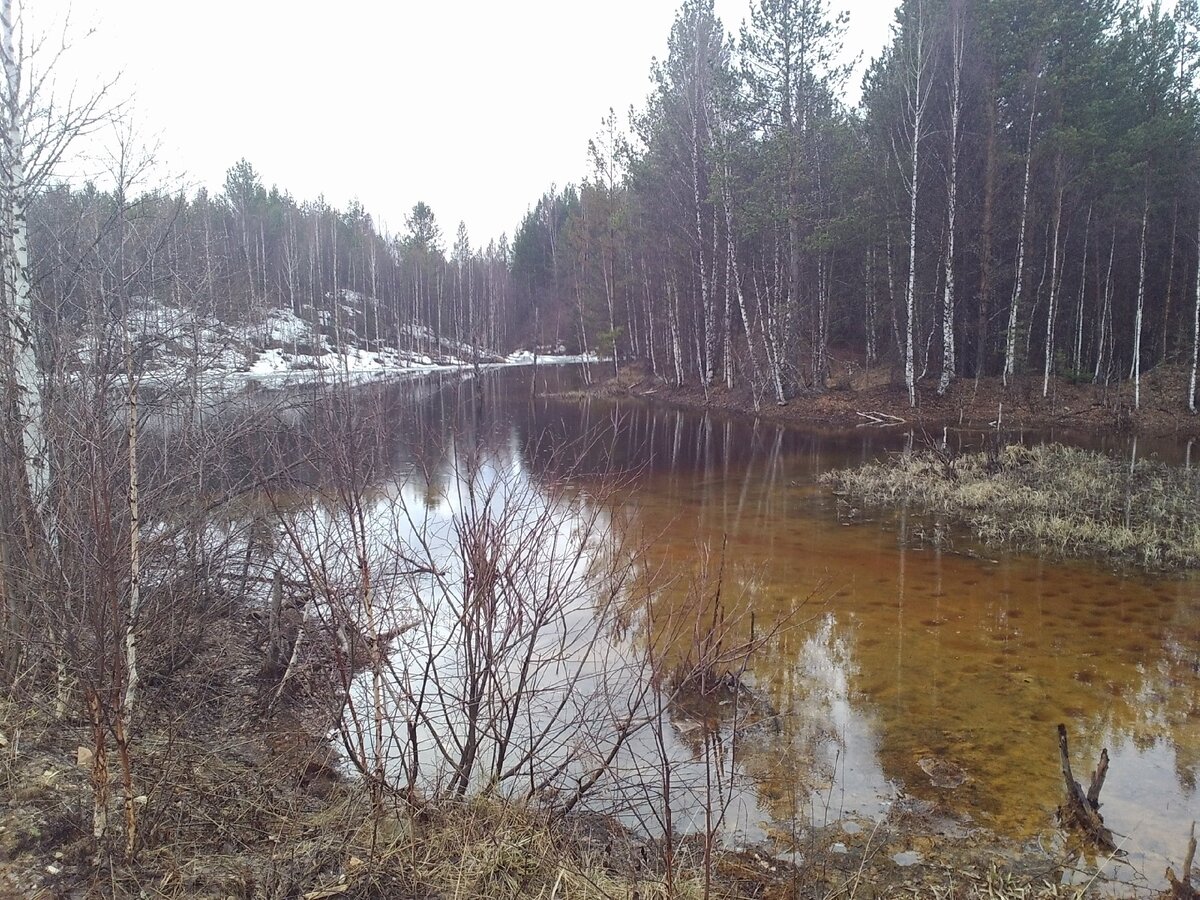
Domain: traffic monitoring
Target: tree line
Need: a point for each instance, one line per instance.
(1013, 196)
(247, 250)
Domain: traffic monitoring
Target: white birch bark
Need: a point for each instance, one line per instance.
(1195, 335)
(21, 323)
(1010, 345)
(917, 97)
(1137, 323)
(133, 610)
(676, 341)
(948, 361)
(1105, 311)
(706, 364)
(1052, 304)
(1077, 356)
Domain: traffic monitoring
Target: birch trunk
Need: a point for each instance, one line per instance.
(133, 610)
(948, 362)
(707, 342)
(1052, 305)
(916, 109)
(27, 399)
(1195, 334)
(1077, 356)
(1137, 323)
(1105, 311)
(1010, 347)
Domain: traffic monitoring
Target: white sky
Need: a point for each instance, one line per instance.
(475, 107)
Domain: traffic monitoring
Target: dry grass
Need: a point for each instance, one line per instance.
(1048, 498)
(998, 885)
(229, 820)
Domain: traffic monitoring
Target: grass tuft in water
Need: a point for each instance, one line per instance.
(1048, 498)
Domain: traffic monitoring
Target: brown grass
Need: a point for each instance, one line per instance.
(1048, 498)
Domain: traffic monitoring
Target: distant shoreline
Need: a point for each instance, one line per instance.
(876, 399)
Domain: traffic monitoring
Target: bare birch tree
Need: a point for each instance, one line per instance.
(916, 90)
(1136, 369)
(1195, 335)
(1010, 344)
(956, 41)
(37, 131)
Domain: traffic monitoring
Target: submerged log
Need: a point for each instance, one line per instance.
(1082, 811)
(1181, 886)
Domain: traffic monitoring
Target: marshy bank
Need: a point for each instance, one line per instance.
(1047, 498)
(890, 739)
(856, 396)
(246, 798)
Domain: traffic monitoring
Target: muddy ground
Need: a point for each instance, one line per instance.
(245, 797)
(857, 396)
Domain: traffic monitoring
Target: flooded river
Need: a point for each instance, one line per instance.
(895, 660)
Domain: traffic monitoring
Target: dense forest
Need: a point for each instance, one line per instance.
(1014, 195)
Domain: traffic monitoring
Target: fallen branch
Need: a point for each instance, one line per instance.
(1082, 811)
(880, 418)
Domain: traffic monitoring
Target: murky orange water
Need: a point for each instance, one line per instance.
(913, 662)
(903, 659)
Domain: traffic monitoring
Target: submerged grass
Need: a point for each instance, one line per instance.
(1048, 498)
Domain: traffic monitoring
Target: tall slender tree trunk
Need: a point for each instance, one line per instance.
(917, 109)
(14, 195)
(869, 296)
(982, 321)
(1195, 331)
(1010, 348)
(734, 283)
(948, 362)
(1077, 355)
(1105, 324)
(917, 95)
(133, 609)
(1137, 322)
(697, 111)
(1052, 305)
(1166, 316)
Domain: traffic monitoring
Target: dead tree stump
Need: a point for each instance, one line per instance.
(1181, 886)
(1082, 811)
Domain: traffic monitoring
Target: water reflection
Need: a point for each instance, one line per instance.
(901, 659)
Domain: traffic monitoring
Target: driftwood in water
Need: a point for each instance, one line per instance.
(879, 418)
(1082, 811)
(1181, 887)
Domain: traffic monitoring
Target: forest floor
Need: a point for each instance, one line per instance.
(858, 396)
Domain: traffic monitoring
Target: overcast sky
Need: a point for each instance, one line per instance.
(475, 107)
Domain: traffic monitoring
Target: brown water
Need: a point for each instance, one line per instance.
(910, 660)
(903, 660)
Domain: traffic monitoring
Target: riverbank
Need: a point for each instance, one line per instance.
(878, 397)
(244, 796)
